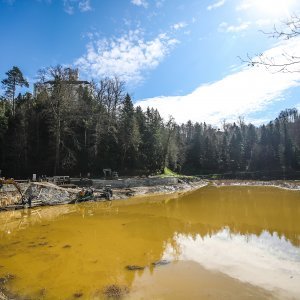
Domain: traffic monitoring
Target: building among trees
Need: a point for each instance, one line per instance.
(70, 78)
(74, 127)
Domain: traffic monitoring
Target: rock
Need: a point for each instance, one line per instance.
(115, 291)
(134, 267)
(42, 292)
(49, 194)
(6, 278)
(39, 194)
(161, 262)
(43, 244)
(78, 295)
(129, 193)
(2, 296)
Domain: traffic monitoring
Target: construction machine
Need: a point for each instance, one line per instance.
(88, 194)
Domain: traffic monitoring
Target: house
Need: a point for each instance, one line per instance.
(70, 79)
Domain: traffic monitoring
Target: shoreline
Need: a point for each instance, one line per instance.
(48, 194)
(51, 195)
(182, 187)
(291, 185)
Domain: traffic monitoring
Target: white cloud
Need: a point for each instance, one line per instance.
(143, 3)
(71, 5)
(267, 261)
(244, 5)
(216, 5)
(68, 7)
(127, 56)
(225, 27)
(179, 25)
(244, 92)
(84, 5)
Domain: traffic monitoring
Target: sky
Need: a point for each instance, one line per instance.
(184, 58)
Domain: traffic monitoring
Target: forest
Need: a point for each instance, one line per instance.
(69, 128)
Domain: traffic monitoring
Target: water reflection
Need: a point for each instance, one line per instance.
(249, 234)
(267, 260)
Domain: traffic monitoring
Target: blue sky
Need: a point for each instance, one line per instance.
(178, 56)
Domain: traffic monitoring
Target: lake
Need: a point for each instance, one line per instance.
(213, 243)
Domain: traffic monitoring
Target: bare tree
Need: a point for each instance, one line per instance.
(109, 94)
(55, 88)
(287, 62)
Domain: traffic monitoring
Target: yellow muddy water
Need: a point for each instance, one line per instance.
(213, 243)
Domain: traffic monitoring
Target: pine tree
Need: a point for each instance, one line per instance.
(129, 136)
(14, 78)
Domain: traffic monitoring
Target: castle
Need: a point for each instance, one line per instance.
(71, 79)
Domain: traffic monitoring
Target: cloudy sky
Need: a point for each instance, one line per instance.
(181, 57)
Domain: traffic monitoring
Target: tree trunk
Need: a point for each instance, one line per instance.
(123, 158)
(57, 147)
(166, 152)
(13, 98)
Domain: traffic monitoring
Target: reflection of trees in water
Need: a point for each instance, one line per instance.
(243, 210)
(12, 221)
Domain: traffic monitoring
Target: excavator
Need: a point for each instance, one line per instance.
(15, 184)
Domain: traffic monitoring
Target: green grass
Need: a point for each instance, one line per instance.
(169, 173)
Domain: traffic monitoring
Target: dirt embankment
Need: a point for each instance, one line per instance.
(181, 185)
(283, 184)
(40, 194)
(43, 194)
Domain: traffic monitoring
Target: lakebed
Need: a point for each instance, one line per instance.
(217, 242)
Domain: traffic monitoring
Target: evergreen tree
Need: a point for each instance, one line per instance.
(78, 131)
(14, 78)
(152, 141)
(129, 136)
